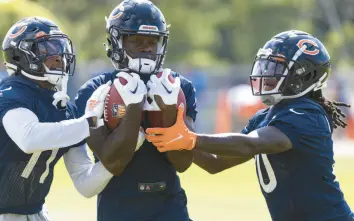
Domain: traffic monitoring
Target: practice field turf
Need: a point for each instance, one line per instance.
(233, 195)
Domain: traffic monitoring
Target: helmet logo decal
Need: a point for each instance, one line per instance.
(120, 11)
(148, 28)
(14, 35)
(308, 41)
(113, 17)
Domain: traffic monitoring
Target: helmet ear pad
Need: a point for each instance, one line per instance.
(301, 76)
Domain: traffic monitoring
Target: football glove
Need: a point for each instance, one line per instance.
(177, 137)
(164, 88)
(133, 91)
(95, 105)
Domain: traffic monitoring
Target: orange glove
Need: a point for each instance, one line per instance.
(177, 137)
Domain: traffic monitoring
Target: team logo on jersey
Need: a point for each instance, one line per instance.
(19, 32)
(315, 51)
(118, 111)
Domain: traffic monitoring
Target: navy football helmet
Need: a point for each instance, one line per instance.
(30, 43)
(290, 65)
(136, 17)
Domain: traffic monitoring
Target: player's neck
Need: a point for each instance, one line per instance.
(45, 84)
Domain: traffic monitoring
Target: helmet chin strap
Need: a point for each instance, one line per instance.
(141, 65)
(273, 99)
(55, 78)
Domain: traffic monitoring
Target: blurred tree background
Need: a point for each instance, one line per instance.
(203, 32)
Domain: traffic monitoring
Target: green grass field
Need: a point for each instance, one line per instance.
(233, 194)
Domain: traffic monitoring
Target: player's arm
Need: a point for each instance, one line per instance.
(215, 164)
(182, 159)
(30, 135)
(268, 140)
(164, 94)
(89, 178)
(115, 149)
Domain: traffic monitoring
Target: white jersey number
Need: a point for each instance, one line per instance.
(268, 188)
(32, 162)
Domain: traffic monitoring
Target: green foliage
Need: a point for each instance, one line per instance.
(208, 32)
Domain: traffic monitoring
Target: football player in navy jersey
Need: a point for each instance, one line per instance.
(291, 140)
(146, 185)
(37, 121)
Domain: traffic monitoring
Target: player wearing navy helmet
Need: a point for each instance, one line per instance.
(291, 141)
(145, 185)
(37, 120)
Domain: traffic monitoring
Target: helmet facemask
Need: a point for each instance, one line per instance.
(131, 55)
(275, 78)
(48, 58)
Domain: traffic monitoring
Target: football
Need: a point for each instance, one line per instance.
(155, 118)
(115, 108)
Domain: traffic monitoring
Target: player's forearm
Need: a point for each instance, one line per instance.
(117, 149)
(89, 178)
(214, 164)
(268, 140)
(228, 144)
(30, 135)
(181, 160)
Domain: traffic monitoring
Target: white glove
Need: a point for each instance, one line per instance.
(133, 91)
(164, 88)
(62, 97)
(141, 139)
(95, 105)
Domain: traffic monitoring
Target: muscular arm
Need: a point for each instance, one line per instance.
(116, 149)
(30, 135)
(215, 164)
(183, 159)
(268, 140)
(89, 178)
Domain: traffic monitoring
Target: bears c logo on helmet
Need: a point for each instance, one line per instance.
(308, 41)
(19, 32)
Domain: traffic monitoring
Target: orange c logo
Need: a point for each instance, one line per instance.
(116, 16)
(23, 29)
(303, 41)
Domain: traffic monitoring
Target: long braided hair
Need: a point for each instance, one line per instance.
(331, 108)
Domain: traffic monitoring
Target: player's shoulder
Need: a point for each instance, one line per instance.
(304, 107)
(259, 116)
(99, 80)
(184, 80)
(186, 84)
(302, 113)
(71, 111)
(15, 87)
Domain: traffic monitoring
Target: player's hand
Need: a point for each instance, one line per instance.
(164, 89)
(177, 137)
(60, 99)
(95, 105)
(133, 91)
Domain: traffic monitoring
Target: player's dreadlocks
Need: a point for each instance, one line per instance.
(331, 108)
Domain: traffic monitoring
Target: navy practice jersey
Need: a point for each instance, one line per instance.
(25, 179)
(299, 184)
(141, 190)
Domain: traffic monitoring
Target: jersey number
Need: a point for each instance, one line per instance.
(32, 162)
(269, 187)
